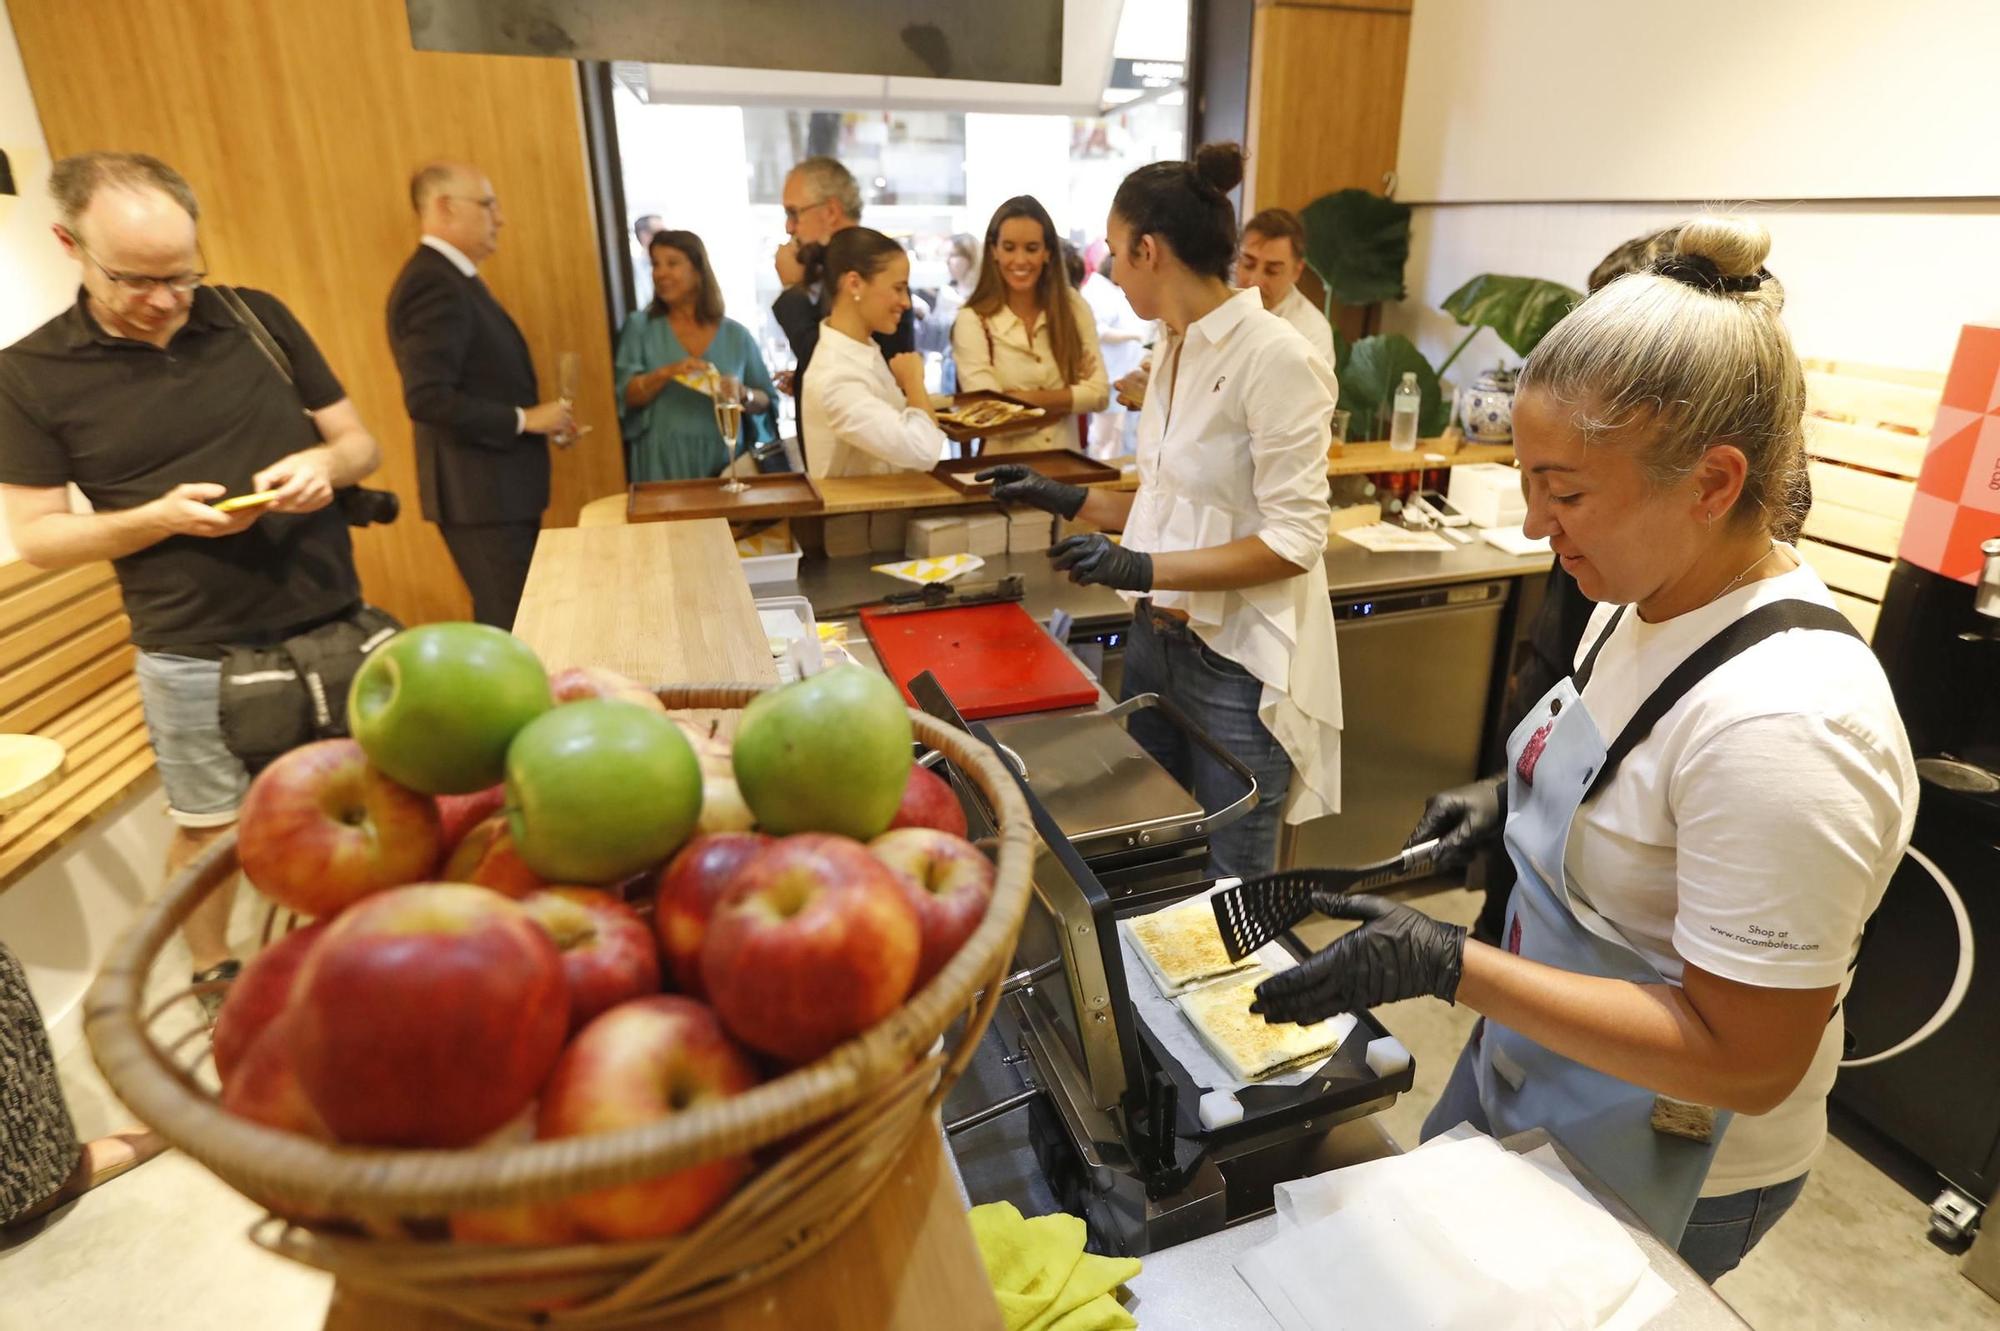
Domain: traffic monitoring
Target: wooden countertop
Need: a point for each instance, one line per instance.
(919, 489)
(662, 602)
(666, 603)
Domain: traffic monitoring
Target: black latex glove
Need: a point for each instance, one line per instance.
(1397, 953)
(1015, 484)
(1096, 558)
(1464, 819)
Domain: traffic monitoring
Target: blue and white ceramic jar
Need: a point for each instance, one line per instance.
(1488, 408)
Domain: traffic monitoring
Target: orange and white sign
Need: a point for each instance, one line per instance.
(1957, 504)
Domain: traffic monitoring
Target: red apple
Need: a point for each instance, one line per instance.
(643, 1061)
(608, 953)
(428, 1016)
(929, 801)
(258, 995)
(459, 814)
(580, 682)
(320, 829)
(693, 881)
(812, 944)
(547, 1225)
(265, 1088)
(948, 883)
(487, 858)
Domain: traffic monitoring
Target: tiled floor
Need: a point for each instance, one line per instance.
(164, 1249)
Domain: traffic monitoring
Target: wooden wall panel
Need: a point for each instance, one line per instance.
(1326, 106)
(298, 125)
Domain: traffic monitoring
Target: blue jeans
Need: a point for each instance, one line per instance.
(1720, 1233)
(1221, 698)
(182, 697)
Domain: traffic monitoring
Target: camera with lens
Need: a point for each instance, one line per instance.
(363, 507)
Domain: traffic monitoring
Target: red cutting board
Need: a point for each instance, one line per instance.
(992, 659)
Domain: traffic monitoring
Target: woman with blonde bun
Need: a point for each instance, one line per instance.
(1703, 815)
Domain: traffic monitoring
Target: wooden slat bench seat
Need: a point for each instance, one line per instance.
(66, 672)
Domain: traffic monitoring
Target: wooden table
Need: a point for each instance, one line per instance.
(665, 602)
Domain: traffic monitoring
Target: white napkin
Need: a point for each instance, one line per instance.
(1459, 1235)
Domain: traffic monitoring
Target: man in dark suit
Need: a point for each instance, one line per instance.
(469, 385)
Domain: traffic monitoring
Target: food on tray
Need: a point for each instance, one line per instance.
(1249, 1046)
(1183, 945)
(988, 414)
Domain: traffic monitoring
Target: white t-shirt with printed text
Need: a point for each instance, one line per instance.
(1753, 832)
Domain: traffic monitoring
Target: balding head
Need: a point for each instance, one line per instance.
(455, 202)
(129, 222)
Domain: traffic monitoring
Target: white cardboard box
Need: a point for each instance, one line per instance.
(986, 534)
(929, 537)
(1487, 493)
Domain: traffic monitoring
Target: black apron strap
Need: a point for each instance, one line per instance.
(1590, 661)
(1764, 622)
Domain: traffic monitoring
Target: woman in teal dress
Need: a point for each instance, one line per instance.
(669, 428)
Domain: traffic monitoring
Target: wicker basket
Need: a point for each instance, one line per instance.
(862, 1103)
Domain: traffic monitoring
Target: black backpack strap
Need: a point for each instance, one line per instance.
(1590, 662)
(1765, 621)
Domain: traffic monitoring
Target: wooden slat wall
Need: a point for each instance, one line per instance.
(298, 125)
(66, 672)
(1866, 429)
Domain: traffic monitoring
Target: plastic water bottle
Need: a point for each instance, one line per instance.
(1403, 424)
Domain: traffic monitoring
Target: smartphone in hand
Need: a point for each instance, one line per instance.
(237, 502)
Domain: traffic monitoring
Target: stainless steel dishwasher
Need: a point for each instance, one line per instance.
(1416, 668)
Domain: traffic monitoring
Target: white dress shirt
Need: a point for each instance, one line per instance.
(1233, 442)
(856, 420)
(1301, 314)
(1010, 362)
(471, 269)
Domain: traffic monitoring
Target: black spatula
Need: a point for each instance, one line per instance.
(1257, 910)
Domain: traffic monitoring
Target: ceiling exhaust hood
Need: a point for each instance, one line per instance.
(1011, 42)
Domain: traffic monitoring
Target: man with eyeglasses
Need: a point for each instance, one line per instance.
(469, 385)
(821, 199)
(152, 396)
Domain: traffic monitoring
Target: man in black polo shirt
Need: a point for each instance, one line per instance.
(152, 398)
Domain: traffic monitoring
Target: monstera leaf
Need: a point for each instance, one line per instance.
(1375, 366)
(1358, 243)
(1521, 310)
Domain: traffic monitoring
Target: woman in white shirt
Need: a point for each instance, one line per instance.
(1224, 541)
(862, 415)
(1692, 891)
(1026, 332)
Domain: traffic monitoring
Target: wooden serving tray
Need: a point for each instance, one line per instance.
(1058, 464)
(1026, 425)
(786, 494)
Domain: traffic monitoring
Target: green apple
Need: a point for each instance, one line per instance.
(828, 754)
(598, 790)
(435, 707)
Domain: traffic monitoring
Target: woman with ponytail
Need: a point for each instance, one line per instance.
(1702, 816)
(1222, 546)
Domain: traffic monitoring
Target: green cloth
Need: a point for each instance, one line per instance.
(673, 437)
(1043, 1278)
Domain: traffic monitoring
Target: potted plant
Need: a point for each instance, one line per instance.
(1359, 243)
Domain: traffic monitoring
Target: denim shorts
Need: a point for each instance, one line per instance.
(183, 699)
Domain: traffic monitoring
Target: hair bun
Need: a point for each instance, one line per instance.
(1219, 166)
(1735, 246)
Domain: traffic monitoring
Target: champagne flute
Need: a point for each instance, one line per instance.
(729, 422)
(569, 377)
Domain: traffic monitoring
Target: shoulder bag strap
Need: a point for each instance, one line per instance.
(1765, 621)
(251, 324)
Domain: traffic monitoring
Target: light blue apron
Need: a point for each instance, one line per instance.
(1556, 758)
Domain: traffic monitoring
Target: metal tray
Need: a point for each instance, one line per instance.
(770, 495)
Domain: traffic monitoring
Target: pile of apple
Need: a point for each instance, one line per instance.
(479, 862)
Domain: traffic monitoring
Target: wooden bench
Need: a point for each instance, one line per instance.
(1866, 430)
(66, 672)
